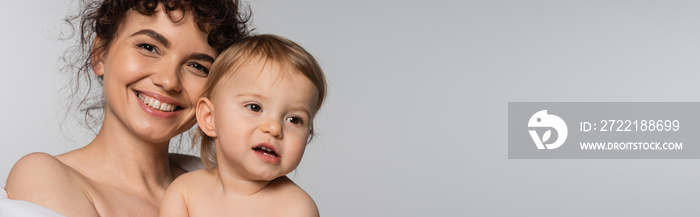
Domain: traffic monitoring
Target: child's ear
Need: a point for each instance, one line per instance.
(97, 57)
(205, 119)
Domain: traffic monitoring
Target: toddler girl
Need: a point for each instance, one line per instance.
(255, 119)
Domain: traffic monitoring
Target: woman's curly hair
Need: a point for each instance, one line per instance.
(224, 21)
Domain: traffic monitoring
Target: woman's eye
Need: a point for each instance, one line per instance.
(200, 67)
(253, 107)
(295, 120)
(148, 47)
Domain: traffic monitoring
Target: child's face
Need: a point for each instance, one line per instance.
(262, 119)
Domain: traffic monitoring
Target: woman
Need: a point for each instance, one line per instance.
(152, 58)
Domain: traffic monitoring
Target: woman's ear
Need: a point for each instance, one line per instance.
(98, 52)
(205, 117)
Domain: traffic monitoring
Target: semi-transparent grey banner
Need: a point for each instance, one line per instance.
(604, 130)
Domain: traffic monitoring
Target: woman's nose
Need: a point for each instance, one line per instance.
(167, 77)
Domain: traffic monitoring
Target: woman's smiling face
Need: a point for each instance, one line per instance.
(154, 71)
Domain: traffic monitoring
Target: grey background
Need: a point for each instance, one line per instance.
(416, 119)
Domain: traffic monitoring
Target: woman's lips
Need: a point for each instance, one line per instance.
(157, 105)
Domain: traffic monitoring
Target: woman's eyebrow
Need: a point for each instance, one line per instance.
(202, 57)
(161, 39)
(156, 36)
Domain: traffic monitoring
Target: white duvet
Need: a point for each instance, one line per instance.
(22, 208)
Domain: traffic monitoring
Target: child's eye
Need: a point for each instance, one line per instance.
(295, 120)
(200, 68)
(254, 107)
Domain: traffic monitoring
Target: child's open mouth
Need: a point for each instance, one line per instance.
(266, 150)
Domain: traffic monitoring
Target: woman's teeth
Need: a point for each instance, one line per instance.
(155, 104)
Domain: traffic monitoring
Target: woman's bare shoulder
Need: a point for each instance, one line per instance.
(33, 169)
(43, 179)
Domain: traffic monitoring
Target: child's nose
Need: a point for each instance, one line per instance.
(272, 127)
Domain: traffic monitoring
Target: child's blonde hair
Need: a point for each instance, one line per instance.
(267, 48)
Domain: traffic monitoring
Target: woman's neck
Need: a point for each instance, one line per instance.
(117, 156)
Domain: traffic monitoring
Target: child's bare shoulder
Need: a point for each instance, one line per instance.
(292, 199)
(192, 179)
(187, 185)
(180, 192)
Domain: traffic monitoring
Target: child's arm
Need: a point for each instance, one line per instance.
(173, 204)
